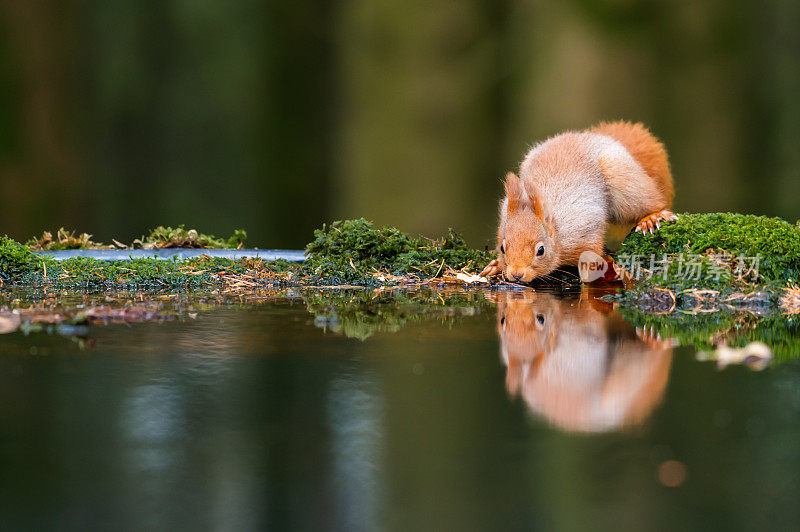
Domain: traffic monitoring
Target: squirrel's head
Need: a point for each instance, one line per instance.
(526, 243)
(527, 325)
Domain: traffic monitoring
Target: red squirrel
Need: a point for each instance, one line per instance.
(570, 187)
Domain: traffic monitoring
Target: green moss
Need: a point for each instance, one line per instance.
(180, 237)
(357, 252)
(16, 260)
(353, 251)
(348, 252)
(148, 274)
(775, 241)
(160, 237)
(62, 240)
(729, 254)
(730, 300)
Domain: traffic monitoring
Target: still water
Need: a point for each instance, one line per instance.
(513, 410)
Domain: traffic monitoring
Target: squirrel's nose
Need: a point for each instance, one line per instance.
(516, 274)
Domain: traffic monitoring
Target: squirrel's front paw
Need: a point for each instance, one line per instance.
(491, 269)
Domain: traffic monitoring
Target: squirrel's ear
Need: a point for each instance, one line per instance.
(514, 192)
(542, 212)
(547, 218)
(538, 208)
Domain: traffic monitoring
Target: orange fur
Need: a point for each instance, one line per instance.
(648, 151)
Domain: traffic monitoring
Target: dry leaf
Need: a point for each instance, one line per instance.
(469, 278)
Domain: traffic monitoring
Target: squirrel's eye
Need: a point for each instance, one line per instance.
(540, 319)
(502, 248)
(540, 251)
(503, 320)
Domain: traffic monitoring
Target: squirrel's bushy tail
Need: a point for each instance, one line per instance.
(645, 148)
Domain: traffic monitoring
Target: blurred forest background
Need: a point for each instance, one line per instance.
(278, 116)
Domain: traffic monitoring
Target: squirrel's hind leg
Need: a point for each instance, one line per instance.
(650, 223)
(634, 198)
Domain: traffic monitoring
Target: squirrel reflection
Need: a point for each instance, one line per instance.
(577, 363)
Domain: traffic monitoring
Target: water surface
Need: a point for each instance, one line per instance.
(513, 410)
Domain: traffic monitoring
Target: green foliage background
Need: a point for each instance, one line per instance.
(280, 116)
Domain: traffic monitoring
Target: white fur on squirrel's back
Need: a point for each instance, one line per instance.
(564, 171)
(567, 171)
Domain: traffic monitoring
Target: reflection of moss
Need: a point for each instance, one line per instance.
(351, 251)
(74, 313)
(362, 313)
(703, 331)
(355, 313)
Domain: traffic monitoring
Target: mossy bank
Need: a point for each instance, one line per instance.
(707, 258)
(352, 252)
(724, 254)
